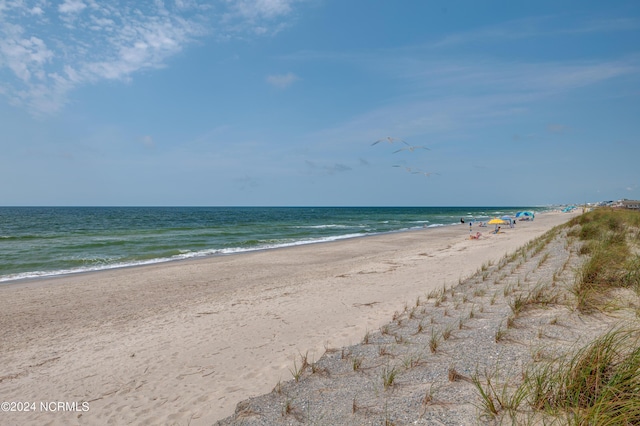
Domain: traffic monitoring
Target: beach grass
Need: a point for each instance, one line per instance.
(599, 382)
(610, 237)
(389, 376)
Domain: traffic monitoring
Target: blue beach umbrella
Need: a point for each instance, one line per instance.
(525, 214)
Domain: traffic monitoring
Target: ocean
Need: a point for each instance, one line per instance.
(48, 241)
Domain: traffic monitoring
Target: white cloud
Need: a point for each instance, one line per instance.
(539, 26)
(446, 98)
(47, 50)
(256, 9)
(26, 57)
(605, 25)
(282, 81)
(71, 6)
(524, 80)
(258, 17)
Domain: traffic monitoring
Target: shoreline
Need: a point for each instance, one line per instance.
(222, 251)
(188, 340)
(161, 261)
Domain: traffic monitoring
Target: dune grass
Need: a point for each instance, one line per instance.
(598, 383)
(610, 239)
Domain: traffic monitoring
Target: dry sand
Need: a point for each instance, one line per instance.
(184, 342)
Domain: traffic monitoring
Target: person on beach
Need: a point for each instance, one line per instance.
(461, 220)
(497, 230)
(477, 236)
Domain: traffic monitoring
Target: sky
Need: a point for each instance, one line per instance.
(281, 102)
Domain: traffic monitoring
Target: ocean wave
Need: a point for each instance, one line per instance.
(27, 237)
(183, 255)
(329, 226)
(281, 244)
(78, 270)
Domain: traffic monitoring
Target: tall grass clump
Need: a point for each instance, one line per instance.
(590, 231)
(494, 398)
(632, 276)
(598, 384)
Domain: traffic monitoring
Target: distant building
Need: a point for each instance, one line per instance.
(631, 204)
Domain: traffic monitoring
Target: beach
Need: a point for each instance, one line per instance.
(183, 342)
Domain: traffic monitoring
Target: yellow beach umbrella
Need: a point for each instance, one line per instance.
(496, 221)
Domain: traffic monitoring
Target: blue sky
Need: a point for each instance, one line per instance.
(278, 102)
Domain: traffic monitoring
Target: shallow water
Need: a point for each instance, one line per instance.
(47, 241)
